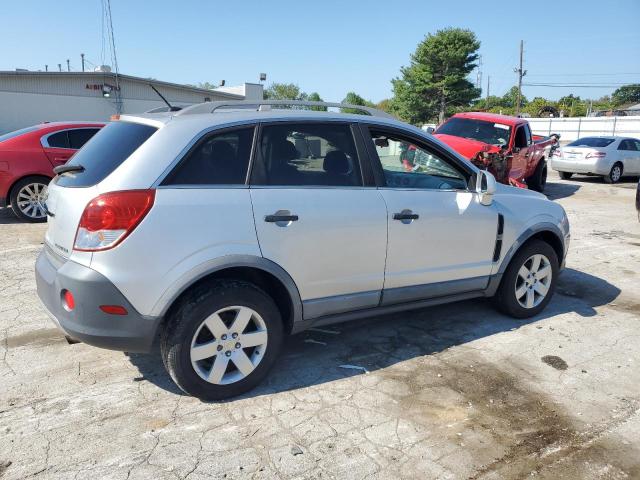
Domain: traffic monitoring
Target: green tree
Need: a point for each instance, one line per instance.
(315, 97)
(436, 81)
(384, 105)
(206, 85)
(284, 91)
(355, 99)
(510, 98)
(626, 94)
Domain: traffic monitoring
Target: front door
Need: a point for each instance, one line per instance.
(315, 217)
(441, 239)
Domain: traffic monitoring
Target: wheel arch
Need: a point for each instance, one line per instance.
(547, 232)
(267, 275)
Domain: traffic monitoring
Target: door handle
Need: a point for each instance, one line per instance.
(280, 218)
(406, 215)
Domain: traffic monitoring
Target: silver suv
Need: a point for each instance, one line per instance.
(225, 226)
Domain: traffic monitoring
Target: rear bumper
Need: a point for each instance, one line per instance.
(599, 166)
(86, 322)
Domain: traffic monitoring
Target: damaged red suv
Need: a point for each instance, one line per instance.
(27, 160)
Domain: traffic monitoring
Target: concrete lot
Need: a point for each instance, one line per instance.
(452, 392)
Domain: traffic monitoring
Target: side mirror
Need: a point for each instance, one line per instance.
(485, 187)
(430, 129)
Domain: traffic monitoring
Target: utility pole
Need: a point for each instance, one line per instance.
(488, 89)
(59, 67)
(82, 58)
(479, 73)
(46, 68)
(68, 66)
(521, 73)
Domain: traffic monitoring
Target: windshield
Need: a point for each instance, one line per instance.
(105, 152)
(17, 133)
(591, 142)
(487, 132)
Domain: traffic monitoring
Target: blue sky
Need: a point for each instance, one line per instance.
(330, 46)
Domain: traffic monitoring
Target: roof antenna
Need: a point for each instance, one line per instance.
(171, 108)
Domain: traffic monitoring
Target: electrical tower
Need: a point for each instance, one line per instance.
(479, 73)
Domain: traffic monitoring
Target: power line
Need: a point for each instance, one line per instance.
(582, 74)
(575, 85)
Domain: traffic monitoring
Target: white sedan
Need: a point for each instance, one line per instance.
(609, 157)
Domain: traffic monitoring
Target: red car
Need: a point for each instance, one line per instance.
(504, 145)
(27, 160)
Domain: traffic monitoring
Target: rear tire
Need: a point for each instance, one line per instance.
(202, 350)
(615, 174)
(26, 199)
(521, 295)
(538, 180)
(565, 175)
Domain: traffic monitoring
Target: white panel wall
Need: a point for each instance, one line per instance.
(572, 128)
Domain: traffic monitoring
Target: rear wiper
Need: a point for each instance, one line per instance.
(61, 169)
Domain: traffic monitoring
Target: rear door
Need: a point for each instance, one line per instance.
(56, 147)
(630, 156)
(316, 217)
(440, 238)
(60, 146)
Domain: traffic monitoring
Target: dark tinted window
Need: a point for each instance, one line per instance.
(80, 136)
(17, 133)
(218, 159)
(58, 140)
(308, 154)
(521, 138)
(111, 146)
(591, 142)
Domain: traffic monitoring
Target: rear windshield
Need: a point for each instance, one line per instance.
(591, 142)
(22, 131)
(487, 132)
(105, 152)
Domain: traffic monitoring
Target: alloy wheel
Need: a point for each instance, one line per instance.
(533, 281)
(616, 173)
(30, 200)
(228, 345)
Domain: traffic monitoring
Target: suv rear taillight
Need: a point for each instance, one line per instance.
(596, 155)
(110, 217)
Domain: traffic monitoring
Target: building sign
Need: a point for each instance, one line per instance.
(101, 86)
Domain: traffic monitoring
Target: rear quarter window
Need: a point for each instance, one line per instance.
(105, 152)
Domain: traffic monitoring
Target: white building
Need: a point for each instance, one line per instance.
(28, 98)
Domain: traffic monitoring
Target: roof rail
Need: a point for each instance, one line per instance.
(210, 107)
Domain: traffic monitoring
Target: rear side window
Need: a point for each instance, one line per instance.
(79, 136)
(111, 146)
(58, 140)
(592, 142)
(218, 159)
(308, 154)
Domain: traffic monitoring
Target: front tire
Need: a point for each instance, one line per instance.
(529, 281)
(615, 174)
(222, 339)
(27, 197)
(565, 175)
